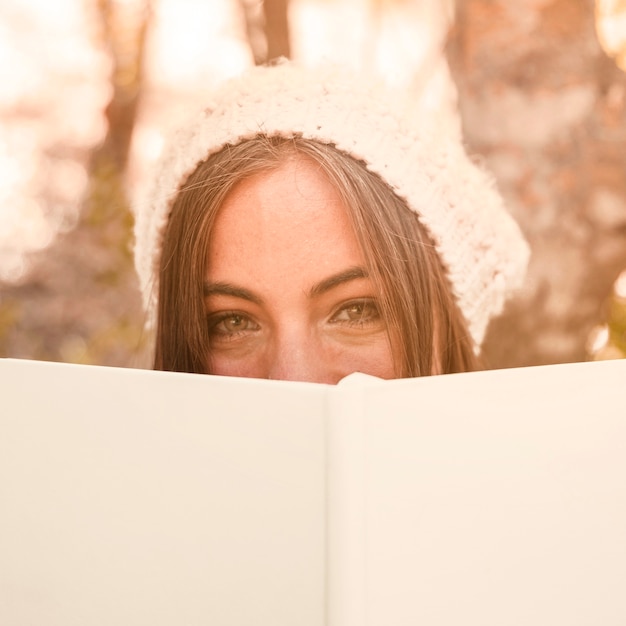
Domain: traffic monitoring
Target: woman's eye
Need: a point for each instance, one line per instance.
(357, 312)
(229, 325)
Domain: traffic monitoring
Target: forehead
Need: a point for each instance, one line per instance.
(290, 216)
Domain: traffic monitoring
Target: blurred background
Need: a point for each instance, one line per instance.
(89, 89)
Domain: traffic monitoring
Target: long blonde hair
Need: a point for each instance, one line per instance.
(429, 333)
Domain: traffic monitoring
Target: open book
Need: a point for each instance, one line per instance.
(132, 497)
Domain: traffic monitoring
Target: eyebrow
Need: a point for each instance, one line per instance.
(352, 273)
(228, 289)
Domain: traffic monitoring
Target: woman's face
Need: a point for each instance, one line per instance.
(287, 293)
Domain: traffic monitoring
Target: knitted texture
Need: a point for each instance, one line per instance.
(480, 245)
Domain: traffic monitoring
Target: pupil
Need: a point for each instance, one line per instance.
(235, 321)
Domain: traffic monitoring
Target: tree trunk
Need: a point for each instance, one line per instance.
(277, 28)
(545, 109)
(267, 29)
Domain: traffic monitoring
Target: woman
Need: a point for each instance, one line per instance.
(307, 226)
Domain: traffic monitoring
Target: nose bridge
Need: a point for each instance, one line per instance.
(297, 356)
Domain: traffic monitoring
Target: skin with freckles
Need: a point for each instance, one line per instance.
(287, 293)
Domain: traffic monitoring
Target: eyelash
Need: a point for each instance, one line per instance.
(225, 335)
(369, 313)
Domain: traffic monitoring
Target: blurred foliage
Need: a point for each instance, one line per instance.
(545, 107)
(79, 301)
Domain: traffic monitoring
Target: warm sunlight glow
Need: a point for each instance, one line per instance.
(620, 286)
(319, 33)
(195, 42)
(52, 95)
(598, 339)
(401, 41)
(611, 28)
(193, 45)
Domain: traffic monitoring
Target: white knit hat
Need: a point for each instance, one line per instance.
(479, 243)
